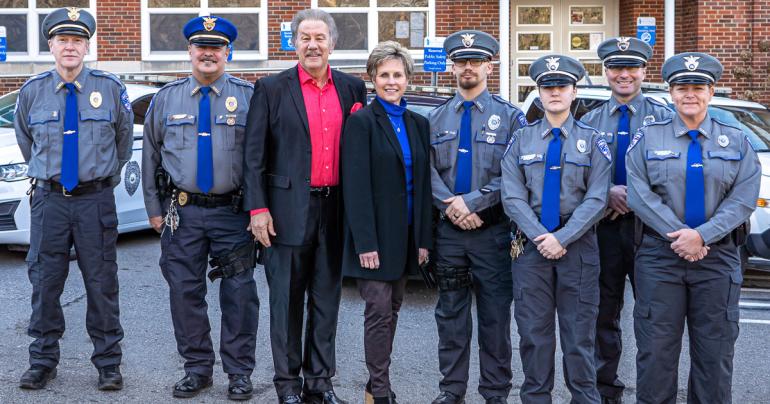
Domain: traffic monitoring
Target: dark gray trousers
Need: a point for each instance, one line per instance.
(568, 288)
(91, 224)
(183, 261)
(486, 253)
(705, 294)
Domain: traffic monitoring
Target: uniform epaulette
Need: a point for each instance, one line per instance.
(35, 78)
(584, 125)
(241, 82)
(729, 125)
(435, 110)
(504, 101)
(535, 122)
(173, 84)
(102, 73)
(656, 102)
(663, 122)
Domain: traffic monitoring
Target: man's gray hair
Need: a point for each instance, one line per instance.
(388, 50)
(317, 15)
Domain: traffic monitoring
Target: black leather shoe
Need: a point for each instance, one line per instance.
(446, 397)
(612, 400)
(291, 399)
(110, 378)
(239, 388)
(496, 400)
(327, 397)
(190, 385)
(36, 377)
(385, 400)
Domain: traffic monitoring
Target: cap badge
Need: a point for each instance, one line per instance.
(691, 62)
(493, 122)
(723, 140)
(209, 23)
(624, 43)
(231, 103)
(95, 99)
(582, 146)
(552, 63)
(73, 13)
(468, 39)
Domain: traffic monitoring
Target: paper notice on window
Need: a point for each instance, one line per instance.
(402, 29)
(417, 20)
(416, 39)
(596, 39)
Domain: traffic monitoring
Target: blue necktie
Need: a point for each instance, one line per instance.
(624, 127)
(694, 199)
(205, 174)
(69, 153)
(549, 214)
(465, 152)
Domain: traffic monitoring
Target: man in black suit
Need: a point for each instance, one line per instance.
(291, 187)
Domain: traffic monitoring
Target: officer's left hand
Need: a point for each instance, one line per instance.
(687, 242)
(549, 247)
(422, 256)
(470, 222)
(457, 209)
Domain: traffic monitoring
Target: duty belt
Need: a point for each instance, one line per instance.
(203, 200)
(323, 192)
(82, 188)
(728, 239)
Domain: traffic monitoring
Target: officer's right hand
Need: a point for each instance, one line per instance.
(457, 209)
(549, 246)
(617, 199)
(261, 227)
(157, 223)
(470, 222)
(369, 260)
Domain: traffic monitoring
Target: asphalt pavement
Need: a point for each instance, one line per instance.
(151, 364)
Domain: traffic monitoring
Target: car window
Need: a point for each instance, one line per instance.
(7, 106)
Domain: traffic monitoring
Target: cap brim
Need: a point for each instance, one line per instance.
(624, 63)
(691, 78)
(555, 81)
(81, 32)
(470, 54)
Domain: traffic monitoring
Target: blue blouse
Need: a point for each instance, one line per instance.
(396, 116)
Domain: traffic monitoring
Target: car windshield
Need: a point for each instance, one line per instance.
(754, 122)
(7, 105)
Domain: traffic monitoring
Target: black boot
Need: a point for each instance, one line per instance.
(36, 377)
(190, 385)
(239, 388)
(110, 378)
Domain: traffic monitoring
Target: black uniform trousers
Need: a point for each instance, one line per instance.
(616, 253)
(569, 288)
(705, 293)
(183, 261)
(486, 253)
(313, 268)
(58, 222)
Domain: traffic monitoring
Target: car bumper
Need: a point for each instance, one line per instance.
(14, 213)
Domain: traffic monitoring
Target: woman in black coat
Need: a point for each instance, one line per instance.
(387, 197)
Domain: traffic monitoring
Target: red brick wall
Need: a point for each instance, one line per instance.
(629, 11)
(760, 49)
(277, 13)
(8, 84)
(119, 29)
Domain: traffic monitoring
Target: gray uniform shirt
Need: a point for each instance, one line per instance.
(493, 121)
(171, 136)
(657, 169)
(585, 178)
(105, 125)
(642, 111)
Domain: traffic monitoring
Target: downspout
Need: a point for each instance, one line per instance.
(505, 50)
(669, 26)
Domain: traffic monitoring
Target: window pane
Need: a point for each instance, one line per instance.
(166, 32)
(586, 15)
(593, 68)
(524, 69)
(534, 42)
(234, 3)
(13, 3)
(352, 28)
(524, 91)
(62, 3)
(405, 27)
(534, 15)
(42, 42)
(343, 3)
(402, 3)
(173, 3)
(581, 41)
(16, 32)
(248, 31)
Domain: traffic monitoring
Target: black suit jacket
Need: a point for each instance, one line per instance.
(277, 150)
(374, 191)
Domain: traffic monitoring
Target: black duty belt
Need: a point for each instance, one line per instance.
(82, 188)
(728, 239)
(203, 200)
(323, 192)
(489, 216)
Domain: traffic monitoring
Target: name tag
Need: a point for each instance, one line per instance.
(528, 157)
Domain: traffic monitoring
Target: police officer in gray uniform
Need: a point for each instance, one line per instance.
(617, 119)
(192, 176)
(556, 175)
(468, 137)
(693, 181)
(73, 126)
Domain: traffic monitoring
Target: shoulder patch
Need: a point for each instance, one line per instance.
(510, 143)
(729, 125)
(601, 144)
(114, 78)
(240, 82)
(35, 78)
(522, 119)
(637, 136)
(125, 101)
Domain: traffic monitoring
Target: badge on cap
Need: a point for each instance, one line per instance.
(96, 99)
(231, 104)
(209, 23)
(552, 63)
(73, 13)
(582, 146)
(468, 40)
(691, 62)
(648, 119)
(494, 122)
(723, 140)
(624, 43)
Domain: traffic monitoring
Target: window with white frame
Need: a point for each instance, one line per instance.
(22, 20)
(364, 23)
(163, 21)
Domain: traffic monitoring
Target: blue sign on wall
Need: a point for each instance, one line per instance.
(645, 29)
(286, 44)
(434, 55)
(3, 44)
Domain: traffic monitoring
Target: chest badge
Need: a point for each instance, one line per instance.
(723, 140)
(230, 120)
(95, 99)
(231, 104)
(491, 137)
(494, 122)
(582, 146)
(648, 119)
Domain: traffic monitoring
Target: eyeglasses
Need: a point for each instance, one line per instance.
(473, 62)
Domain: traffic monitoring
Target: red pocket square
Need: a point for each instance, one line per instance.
(356, 107)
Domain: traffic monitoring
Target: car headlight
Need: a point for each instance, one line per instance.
(14, 172)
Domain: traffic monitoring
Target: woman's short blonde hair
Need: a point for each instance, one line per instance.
(389, 50)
